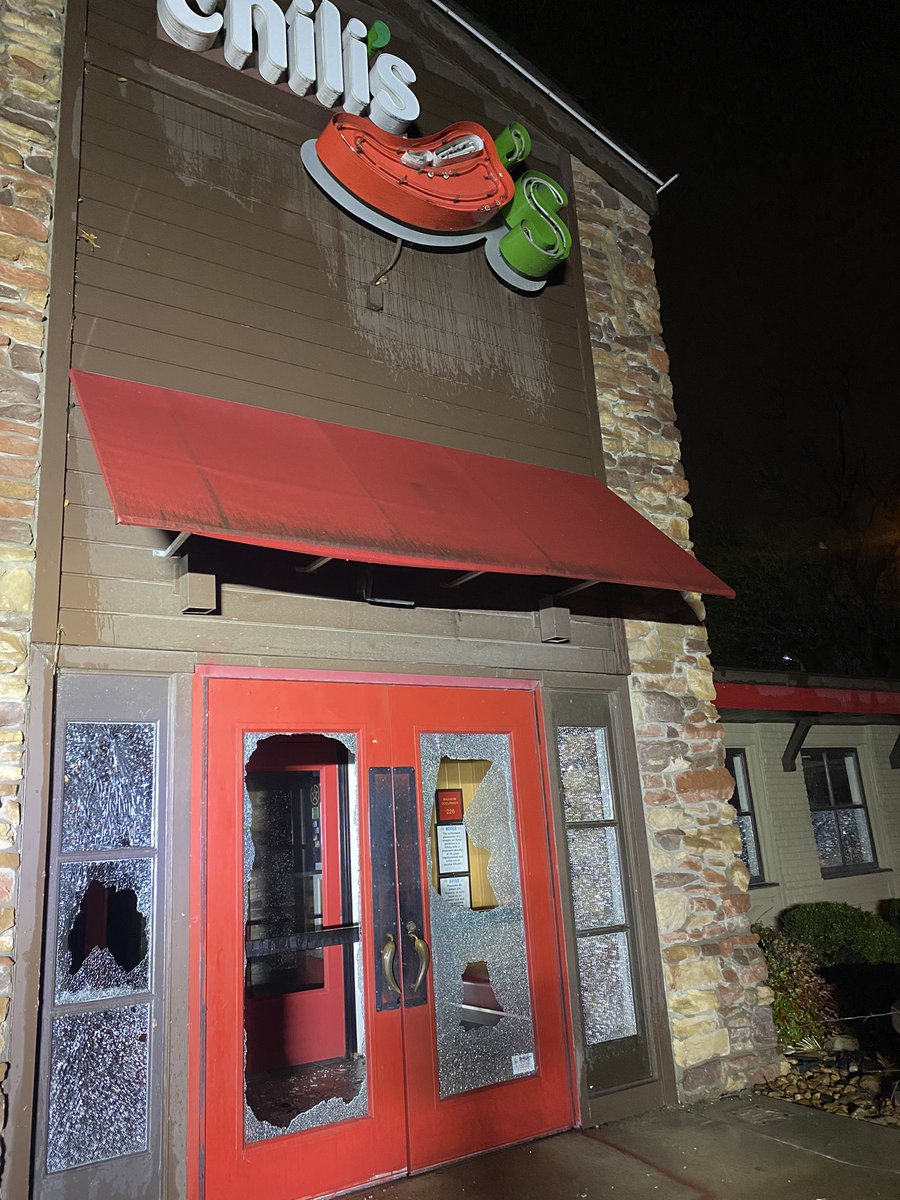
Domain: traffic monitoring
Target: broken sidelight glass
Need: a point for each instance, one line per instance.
(104, 929)
(482, 999)
(584, 774)
(596, 876)
(98, 1086)
(598, 891)
(606, 989)
(108, 785)
(304, 1026)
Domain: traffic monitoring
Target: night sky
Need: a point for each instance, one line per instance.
(776, 250)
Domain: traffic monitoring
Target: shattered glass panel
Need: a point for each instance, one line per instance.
(596, 877)
(108, 785)
(478, 945)
(827, 842)
(607, 999)
(99, 1071)
(584, 773)
(281, 1098)
(855, 837)
(748, 846)
(290, 811)
(480, 1003)
(104, 929)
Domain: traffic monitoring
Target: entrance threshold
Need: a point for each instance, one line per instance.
(712, 1151)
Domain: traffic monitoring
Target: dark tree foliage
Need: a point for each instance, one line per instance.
(815, 609)
(818, 584)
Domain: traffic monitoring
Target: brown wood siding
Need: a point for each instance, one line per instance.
(217, 267)
(220, 265)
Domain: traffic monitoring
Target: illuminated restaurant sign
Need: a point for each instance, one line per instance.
(453, 189)
(316, 54)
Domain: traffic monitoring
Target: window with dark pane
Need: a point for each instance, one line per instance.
(837, 806)
(742, 803)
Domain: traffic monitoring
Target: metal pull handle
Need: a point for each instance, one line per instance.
(388, 954)
(423, 954)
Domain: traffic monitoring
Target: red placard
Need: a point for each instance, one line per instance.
(449, 804)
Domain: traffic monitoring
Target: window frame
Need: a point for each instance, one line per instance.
(743, 794)
(856, 789)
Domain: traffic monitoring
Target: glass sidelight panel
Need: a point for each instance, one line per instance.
(615, 1043)
(584, 774)
(482, 1000)
(104, 930)
(108, 785)
(596, 876)
(304, 1029)
(98, 1089)
(98, 1086)
(607, 996)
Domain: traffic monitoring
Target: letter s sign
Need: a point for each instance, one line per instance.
(537, 239)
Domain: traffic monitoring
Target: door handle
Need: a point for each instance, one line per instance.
(423, 954)
(388, 954)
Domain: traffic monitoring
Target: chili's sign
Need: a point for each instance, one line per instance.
(456, 188)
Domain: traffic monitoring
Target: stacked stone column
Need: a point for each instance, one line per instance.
(30, 49)
(722, 1033)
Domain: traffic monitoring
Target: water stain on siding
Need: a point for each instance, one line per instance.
(429, 326)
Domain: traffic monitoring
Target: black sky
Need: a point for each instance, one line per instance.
(776, 249)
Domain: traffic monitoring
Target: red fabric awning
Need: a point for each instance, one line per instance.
(789, 698)
(172, 460)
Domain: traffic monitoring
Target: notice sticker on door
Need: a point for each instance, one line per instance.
(522, 1064)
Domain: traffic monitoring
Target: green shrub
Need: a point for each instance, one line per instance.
(892, 913)
(840, 933)
(804, 1003)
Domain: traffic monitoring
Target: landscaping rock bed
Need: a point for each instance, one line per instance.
(847, 1084)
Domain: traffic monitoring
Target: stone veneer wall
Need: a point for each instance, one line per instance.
(30, 68)
(722, 1033)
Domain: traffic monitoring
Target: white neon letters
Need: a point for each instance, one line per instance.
(329, 55)
(311, 51)
(394, 106)
(243, 18)
(187, 27)
(356, 68)
(301, 47)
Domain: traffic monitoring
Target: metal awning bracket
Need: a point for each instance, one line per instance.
(173, 547)
(577, 587)
(459, 580)
(796, 740)
(315, 564)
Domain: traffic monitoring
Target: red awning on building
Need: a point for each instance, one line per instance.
(809, 698)
(176, 461)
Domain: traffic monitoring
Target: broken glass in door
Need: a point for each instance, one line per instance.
(304, 1023)
(482, 999)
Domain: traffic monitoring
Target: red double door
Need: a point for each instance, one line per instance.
(382, 954)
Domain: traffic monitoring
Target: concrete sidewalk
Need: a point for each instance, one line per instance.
(735, 1149)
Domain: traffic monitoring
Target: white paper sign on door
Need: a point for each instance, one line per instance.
(453, 849)
(455, 890)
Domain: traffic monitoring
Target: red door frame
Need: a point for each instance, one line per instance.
(442, 1130)
(203, 673)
